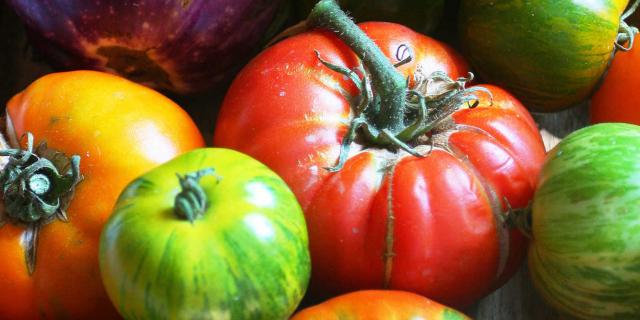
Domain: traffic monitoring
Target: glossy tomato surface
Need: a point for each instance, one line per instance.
(548, 53)
(379, 304)
(585, 253)
(245, 255)
(120, 130)
(432, 225)
(617, 98)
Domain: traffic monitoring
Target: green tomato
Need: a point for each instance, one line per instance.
(549, 53)
(421, 15)
(226, 239)
(585, 254)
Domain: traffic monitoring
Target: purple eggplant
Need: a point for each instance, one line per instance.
(183, 46)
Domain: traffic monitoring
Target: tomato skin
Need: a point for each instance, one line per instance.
(534, 49)
(379, 304)
(616, 99)
(584, 255)
(288, 110)
(300, 76)
(246, 257)
(119, 129)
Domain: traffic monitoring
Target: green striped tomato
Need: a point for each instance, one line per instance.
(549, 53)
(244, 256)
(585, 253)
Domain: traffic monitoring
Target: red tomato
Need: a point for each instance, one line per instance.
(379, 304)
(617, 99)
(431, 225)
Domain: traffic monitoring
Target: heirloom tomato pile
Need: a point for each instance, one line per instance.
(332, 159)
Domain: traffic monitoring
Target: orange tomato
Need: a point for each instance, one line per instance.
(379, 304)
(119, 130)
(617, 98)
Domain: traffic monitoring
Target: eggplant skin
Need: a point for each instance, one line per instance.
(183, 46)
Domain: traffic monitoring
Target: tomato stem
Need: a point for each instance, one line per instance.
(389, 85)
(35, 193)
(32, 186)
(192, 202)
(626, 33)
(632, 9)
(388, 113)
(520, 218)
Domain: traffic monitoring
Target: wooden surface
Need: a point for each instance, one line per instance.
(516, 300)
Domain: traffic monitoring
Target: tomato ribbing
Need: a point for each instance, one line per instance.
(389, 112)
(432, 224)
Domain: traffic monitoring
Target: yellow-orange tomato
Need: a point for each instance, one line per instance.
(379, 304)
(119, 130)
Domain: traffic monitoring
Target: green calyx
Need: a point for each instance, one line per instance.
(192, 202)
(34, 191)
(388, 113)
(520, 218)
(626, 33)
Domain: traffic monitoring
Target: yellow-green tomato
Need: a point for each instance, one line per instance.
(585, 255)
(211, 234)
